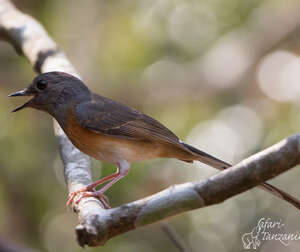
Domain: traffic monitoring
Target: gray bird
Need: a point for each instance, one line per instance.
(112, 132)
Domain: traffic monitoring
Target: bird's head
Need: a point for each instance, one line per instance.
(53, 91)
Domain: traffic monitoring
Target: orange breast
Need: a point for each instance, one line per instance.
(85, 140)
(111, 149)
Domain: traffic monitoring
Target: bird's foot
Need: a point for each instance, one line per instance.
(85, 192)
(72, 196)
(98, 194)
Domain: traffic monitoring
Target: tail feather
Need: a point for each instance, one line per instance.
(221, 165)
(208, 159)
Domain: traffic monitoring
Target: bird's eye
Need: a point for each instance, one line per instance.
(41, 84)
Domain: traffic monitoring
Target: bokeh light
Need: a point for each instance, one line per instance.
(215, 64)
(279, 76)
(231, 136)
(192, 25)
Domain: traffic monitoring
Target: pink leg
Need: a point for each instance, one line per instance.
(124, 167)
(91, 186)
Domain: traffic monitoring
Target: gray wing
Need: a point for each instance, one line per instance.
(108, 117)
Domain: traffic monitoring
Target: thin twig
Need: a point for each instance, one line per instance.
(174, 237)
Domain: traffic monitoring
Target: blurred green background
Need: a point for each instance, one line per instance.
(224, 75)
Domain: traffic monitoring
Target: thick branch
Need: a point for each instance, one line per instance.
(101, 226)
(30, 39)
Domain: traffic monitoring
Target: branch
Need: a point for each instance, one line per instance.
(99, 225)
(31, 40)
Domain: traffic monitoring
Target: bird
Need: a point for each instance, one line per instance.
(112, 132)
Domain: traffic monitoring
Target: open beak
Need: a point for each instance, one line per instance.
(21, 93)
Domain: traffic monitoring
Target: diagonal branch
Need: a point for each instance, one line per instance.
(99, 225)
(30, 39)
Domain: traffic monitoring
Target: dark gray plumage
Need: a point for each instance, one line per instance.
(110, 131)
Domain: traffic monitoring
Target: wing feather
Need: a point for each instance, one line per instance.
(105, 116)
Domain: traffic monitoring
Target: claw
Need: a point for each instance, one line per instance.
(104, 201)
(71, 199)
(72, 195)
(88, 191)
(85, 193)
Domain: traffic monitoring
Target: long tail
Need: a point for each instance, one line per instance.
(221, 165)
